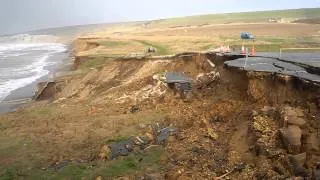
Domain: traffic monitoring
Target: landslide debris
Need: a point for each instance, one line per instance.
(232, 124)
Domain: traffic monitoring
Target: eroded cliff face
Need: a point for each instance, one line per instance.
(281, 132)
(80, 47)
(255, 124)
(84, 44)
(274, 89)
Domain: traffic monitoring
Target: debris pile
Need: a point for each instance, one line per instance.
(154, 136)
(176, 81)
(283, 138)
(205, 80)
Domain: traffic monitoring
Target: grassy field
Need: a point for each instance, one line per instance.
(243, 17)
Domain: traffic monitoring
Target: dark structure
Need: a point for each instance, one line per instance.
(179, 82)
(152, 50)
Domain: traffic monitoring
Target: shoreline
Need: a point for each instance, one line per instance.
(29, 90)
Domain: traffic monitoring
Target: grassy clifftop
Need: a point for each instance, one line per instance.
(242, 17)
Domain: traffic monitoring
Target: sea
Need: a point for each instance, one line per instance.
(26, 60)
(36, 56)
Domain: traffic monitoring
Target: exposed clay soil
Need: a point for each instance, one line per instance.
(236, 119)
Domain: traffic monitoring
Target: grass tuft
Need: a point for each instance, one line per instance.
(161, 49)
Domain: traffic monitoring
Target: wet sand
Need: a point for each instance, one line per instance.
(27, 92)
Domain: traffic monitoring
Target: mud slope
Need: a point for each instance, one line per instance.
(220, 124)
(254, 125)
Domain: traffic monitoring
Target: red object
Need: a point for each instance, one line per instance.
(243, 51)
(253, 51)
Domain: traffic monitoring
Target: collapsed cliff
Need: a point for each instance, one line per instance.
(235, 123)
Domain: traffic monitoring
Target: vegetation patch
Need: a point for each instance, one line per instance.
(109, 43)
(128, 166)
(161, 49)
(117, 139)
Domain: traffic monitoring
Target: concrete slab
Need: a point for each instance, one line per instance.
(176, 77)
(264, 64)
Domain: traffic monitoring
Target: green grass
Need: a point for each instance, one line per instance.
(108, 43)
(18, 158)
(207, 47)
(161, 49)
(117, 139)
(245, 17)
(135, 163)
(93, 62)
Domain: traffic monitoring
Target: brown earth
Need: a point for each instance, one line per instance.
(259, 123)
(214, 132)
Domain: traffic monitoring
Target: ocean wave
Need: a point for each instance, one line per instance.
(15, 77)
(29, 47)
(12, 55)
(27, 38)
(32, 68)
(8, 86)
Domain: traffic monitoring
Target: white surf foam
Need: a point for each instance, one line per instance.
(35, 46)
(29, 73)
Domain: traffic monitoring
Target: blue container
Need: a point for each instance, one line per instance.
(246, 35)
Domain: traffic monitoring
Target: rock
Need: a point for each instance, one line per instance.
(316, 172)
(239, 167)
(122, 148)
(291, 137)
(293, 116)
(301, 158)
(292, 120)
(99, 178)
(210, 131)
(296, 165)
(268, 110)
(140, 141)
(254, 113)
(174, 174)
(262, 129)
(149, 137)
(313, 142)
(278, 167)
(212, 134)
(105, 152)
(164, 134)
(134, 109)
(290, 111)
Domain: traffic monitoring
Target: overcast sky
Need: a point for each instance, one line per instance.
(24, 15)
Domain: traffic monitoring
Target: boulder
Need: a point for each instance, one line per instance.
(290, 111)
(105, 153)
(316, 172)
(291, 137)
(313, 142)
(293, 116)
(296, 163)
(299, 158)
(293, 120)
(268, 110)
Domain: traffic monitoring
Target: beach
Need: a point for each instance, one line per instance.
(24, 63)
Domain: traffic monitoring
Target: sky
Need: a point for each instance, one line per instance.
(24, 15)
